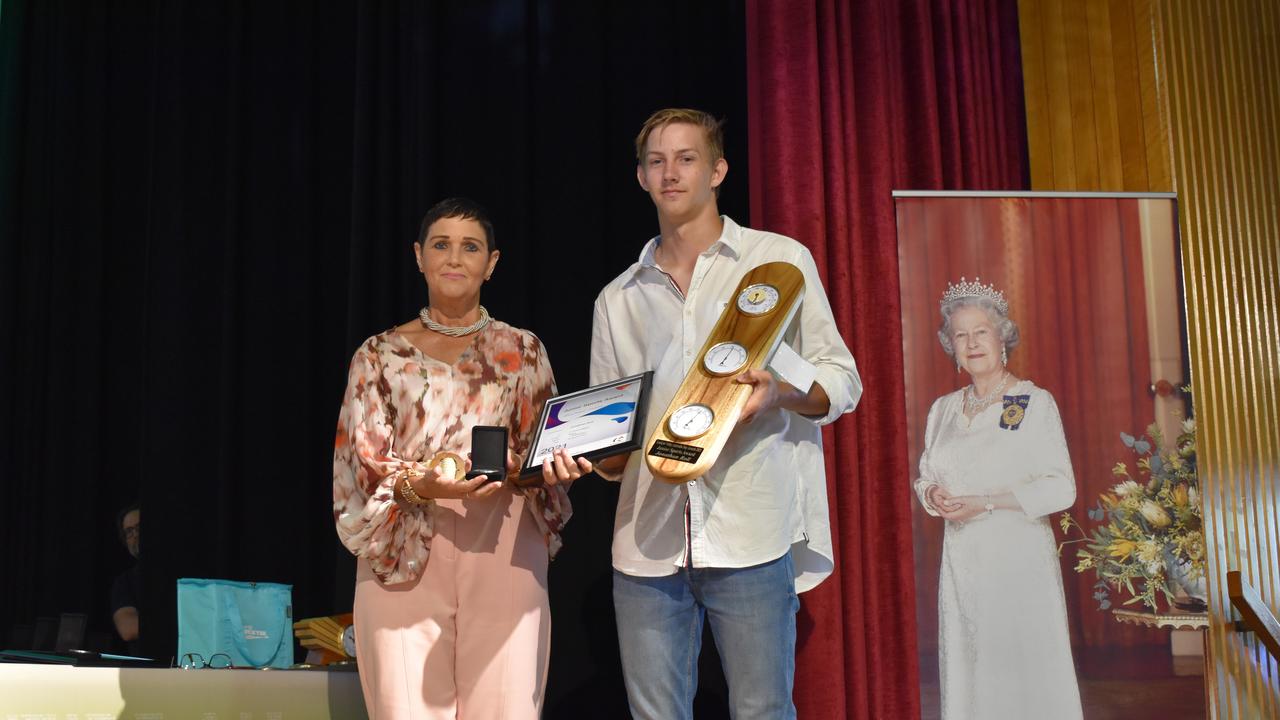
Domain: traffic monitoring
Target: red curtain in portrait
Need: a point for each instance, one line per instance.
(849, 101)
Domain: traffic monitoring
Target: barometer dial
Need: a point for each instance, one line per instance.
(758, 299)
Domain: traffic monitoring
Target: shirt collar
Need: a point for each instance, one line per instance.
(730, 242)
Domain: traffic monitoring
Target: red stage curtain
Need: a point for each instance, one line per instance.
(849, 101)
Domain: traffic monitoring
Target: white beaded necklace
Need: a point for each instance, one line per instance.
(450, 330)
(973, 403)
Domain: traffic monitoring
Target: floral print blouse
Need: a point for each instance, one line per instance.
(402, 407)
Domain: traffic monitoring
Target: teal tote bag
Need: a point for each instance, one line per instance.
(250, 623)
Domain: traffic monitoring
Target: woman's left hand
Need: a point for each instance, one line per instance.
(963, 507)
(561, 469)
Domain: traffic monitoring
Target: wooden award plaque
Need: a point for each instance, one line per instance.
(328, 640)
(706, 408)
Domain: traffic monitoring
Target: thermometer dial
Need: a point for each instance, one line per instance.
(725, 358)
(758, 299)
(690, 421)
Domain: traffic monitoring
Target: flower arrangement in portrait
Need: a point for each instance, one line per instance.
(1147, 534)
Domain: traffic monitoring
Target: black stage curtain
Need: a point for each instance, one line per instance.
(206, 206)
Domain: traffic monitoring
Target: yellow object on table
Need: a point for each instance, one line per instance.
(328, 639)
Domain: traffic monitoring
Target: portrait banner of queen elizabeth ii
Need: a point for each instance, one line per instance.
(1044, 351)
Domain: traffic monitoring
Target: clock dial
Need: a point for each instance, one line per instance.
(725, 358)
(690, 421)
(349, 640)
(758, 299)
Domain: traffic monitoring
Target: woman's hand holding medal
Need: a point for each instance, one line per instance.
(446, 477)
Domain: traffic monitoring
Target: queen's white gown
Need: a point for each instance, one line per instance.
(1003, 647)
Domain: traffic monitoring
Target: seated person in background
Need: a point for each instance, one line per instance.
(126, 590)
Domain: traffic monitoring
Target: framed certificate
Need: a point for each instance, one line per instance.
(594, 423)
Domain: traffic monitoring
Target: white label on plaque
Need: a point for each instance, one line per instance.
(792, 368)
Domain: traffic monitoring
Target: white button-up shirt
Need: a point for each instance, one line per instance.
(766, 494)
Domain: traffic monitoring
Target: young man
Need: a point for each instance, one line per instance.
(735, 545)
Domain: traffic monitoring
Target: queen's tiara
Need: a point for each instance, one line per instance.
(975, 289)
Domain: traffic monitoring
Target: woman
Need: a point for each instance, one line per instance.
(451, 610)
(994, 466)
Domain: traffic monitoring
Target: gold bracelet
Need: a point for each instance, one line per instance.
(408, 493)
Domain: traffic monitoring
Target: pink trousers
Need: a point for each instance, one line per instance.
(471, 637)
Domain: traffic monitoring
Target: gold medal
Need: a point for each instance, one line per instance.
(448, 465)
(1012, 415)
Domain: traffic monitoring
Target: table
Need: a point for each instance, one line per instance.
(1186, 642)
(62, 692)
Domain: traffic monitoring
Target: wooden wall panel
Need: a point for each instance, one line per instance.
(1095, 119)
(1155, 113)
(1185, 96)
(1036, 93)
(1106, 102)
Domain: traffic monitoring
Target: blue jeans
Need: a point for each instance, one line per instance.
(752, 612)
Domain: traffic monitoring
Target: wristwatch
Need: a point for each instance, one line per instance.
(989, 507)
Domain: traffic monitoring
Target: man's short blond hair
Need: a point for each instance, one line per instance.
(712, 129)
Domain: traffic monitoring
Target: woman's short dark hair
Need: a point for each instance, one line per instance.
(461, 208)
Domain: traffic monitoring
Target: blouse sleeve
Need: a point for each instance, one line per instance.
(535, 386)
(394, 539)
(1051, 485)
(928, 478)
